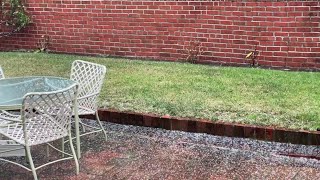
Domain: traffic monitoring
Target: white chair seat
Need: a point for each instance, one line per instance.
(47, 130)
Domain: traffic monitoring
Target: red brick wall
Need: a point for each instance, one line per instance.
(286, 34)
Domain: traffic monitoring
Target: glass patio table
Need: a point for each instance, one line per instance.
(12, 91)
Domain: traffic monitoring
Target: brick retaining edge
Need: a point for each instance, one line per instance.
(205, 126)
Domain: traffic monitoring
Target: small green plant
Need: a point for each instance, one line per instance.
(13, 17)
(252, 55)
(193, 51)
(43, 44)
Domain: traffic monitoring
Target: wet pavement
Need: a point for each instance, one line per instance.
(133, 152)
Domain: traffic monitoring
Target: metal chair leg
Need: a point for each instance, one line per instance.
(26, 156)
(62, 146)
(83, 126)
(74, 153)
(47, 150)
(29, 157)
(100, 124)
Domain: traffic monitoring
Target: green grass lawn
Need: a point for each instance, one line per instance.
(244, 95)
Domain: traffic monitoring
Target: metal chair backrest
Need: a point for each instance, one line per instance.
(46, 116)
(90, 77)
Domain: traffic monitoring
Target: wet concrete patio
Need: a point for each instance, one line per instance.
(133, 152)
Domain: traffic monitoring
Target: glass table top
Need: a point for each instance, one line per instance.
(12, 90)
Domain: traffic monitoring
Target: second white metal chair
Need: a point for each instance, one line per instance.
(90, 77)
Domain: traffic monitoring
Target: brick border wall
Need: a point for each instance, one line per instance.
(286, 34)
(210, 127)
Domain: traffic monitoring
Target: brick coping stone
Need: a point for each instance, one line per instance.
(205, 126)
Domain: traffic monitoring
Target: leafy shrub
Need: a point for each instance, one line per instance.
(13, 17)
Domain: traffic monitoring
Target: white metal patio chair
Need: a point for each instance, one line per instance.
(45, 117)
(90, 77)
(1, 73)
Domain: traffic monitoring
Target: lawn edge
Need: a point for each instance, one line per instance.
(218, 128)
